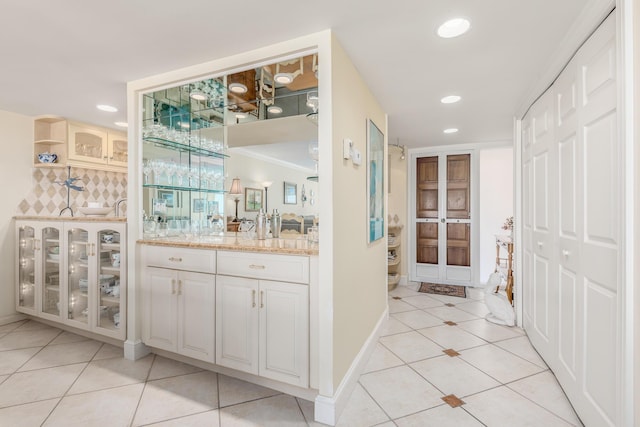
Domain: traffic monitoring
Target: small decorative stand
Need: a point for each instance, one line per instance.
(69, 183)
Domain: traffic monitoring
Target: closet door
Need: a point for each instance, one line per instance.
(443, 219)
(572, 229)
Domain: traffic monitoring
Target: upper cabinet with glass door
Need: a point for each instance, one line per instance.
(97, 147)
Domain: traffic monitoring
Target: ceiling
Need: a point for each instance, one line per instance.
(64, 57)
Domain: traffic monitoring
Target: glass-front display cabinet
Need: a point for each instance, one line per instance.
(39, 269)
(96, 287)
(184, 154)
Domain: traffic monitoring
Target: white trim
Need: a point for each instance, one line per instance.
(328, 409)
(626, 107)
(5, 320)
(134, 350)
(517, 216)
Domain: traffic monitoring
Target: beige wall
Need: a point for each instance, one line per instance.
(16, 140)
(398, 201)
(359, 274)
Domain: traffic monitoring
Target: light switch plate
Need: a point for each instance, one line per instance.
(346, 148)
(357, 157)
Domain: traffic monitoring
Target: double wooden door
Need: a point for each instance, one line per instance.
(442, 219)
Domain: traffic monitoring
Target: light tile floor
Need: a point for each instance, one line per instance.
(53, 378)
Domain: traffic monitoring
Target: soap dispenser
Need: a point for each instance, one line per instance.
(261, 225)
(276, 223)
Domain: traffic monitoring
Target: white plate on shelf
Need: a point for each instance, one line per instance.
(95, 211)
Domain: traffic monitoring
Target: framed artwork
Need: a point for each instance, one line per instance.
(375, 182)
(169, 197)
(252, 199)
(290, 193)
(198, 205)
(213, 207)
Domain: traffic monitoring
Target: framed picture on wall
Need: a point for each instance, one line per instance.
(252, 199)
(375, 182)
(290, 193)
(169, 197)
(198, 205)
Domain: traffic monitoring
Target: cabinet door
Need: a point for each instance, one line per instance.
(117, 149)
(284, 332)
(50, 257)
(26, 268)
(237, 323)
(160, 308)
(196, 315)
(87, 144)
(80, 281)
(111, 260)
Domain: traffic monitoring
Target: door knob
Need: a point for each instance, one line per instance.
(565, 253)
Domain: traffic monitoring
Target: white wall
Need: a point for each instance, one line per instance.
(16, 140)
(496, 202)
(253, 172)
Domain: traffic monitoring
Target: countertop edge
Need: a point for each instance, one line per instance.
(70, 218)
(237, 247)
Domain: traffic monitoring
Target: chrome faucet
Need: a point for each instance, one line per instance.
(118, 206)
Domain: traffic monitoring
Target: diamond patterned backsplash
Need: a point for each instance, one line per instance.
(48, 197)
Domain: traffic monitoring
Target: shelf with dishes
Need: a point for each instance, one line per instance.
(393, 256)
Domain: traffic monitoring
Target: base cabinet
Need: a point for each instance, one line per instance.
(180, 312)
(73, 272)
(262, 327)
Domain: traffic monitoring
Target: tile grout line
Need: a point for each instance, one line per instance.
(144, 387)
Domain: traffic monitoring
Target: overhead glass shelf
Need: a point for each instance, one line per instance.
(176, 188)
(184, 148)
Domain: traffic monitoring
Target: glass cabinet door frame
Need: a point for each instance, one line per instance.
(39, 267)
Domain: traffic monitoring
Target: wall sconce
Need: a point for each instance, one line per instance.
(266, 185)
(236, 190)
(401, 147)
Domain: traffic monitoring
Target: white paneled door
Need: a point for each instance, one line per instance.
(572, 228)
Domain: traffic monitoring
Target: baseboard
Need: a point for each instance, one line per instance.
(5, 320)
(134, 350)
(328, 409)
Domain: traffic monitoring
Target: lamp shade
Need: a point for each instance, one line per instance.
(236, 188)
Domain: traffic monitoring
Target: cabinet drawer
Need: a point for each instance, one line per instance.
(201, 260)
(286, 268)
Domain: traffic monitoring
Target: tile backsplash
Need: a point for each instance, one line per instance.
(48, 196)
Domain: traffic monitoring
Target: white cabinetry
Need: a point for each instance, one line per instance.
(179, 308)
(262, 326)
(97, 146)
(67, 273)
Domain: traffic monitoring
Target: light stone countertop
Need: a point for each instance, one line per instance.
(294, 246)
(81, 218)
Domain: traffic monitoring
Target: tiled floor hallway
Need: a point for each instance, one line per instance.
(55, 378)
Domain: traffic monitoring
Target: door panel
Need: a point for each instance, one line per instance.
(427, 187)
(427, 242)
(567, 324)
(459, 244)
(458, 186)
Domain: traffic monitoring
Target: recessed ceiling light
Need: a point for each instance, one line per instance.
(274, 109)
(107, 108)
(198, 95)
(450, 99)
(122, 124)
(451, 130)
(453, 28)
(283, 78)
(237, 88)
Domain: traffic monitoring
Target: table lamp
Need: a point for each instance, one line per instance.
(236, 190)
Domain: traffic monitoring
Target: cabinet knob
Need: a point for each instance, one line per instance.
(257, 267)
(566, 253)
(174, 259)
